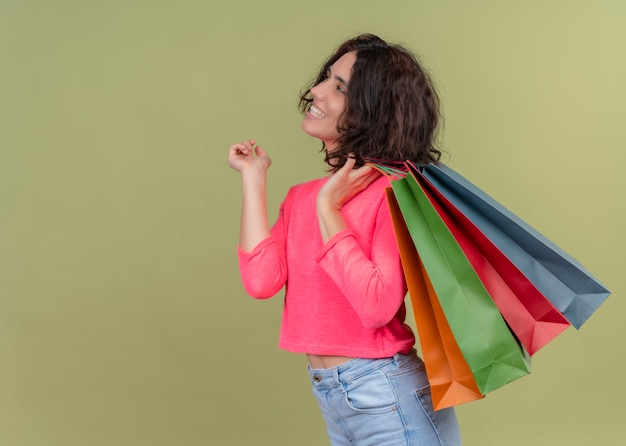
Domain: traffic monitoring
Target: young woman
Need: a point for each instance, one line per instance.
(333, 246)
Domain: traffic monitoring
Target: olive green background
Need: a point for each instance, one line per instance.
(122, 316)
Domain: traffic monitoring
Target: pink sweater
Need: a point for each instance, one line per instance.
(345, 297)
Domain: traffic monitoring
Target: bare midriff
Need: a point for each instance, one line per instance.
(326, 361)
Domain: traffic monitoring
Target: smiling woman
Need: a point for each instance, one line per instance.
(333, 247)
(391, 107)
(329, 101)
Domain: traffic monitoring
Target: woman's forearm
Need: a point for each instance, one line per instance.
(254, 224)
(330, 221)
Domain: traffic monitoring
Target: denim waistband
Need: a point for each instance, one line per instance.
(354, 368)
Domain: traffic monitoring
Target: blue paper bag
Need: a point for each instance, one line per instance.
(564, 281)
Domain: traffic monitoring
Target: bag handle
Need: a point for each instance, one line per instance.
(394, 169)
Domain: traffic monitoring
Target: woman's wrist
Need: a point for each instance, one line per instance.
(330, 219)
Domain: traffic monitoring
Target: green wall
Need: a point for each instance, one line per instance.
(122, 317)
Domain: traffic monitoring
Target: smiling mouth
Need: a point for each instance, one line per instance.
(317, 112)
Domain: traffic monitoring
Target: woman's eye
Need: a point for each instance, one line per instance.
(341, 89)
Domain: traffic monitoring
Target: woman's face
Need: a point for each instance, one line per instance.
(329, 101)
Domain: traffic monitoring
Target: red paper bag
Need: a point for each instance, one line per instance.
(530, 315)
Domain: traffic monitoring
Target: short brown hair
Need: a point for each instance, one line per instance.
(392, 109)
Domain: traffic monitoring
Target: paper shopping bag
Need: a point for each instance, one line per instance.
(529, 314)
(558, 276)
(488, 346)
(451, 380)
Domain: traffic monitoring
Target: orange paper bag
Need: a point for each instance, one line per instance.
(451, 380)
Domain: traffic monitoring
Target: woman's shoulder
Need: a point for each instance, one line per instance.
(382, 182)
(377, 187)
(374, 192)
(311, 186)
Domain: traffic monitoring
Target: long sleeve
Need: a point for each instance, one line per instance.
(373, 283)
(264, 269)
(344, 297)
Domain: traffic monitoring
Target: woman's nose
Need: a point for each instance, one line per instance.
(317, 91)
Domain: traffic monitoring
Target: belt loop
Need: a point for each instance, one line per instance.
(397, 358)
(336, 375)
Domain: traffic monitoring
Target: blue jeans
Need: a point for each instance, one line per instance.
(382, 402)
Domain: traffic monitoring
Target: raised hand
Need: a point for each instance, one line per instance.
(246, 155)
(252, 162)
(342, 185)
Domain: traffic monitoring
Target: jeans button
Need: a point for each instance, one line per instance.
(317, 378)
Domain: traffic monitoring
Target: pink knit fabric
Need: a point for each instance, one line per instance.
(345, 297)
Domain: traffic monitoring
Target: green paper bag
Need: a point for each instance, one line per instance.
(491, 351)
(451, 380)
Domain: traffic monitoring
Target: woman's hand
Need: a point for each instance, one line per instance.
(342, 185)
(245, 155)
(252, 162)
